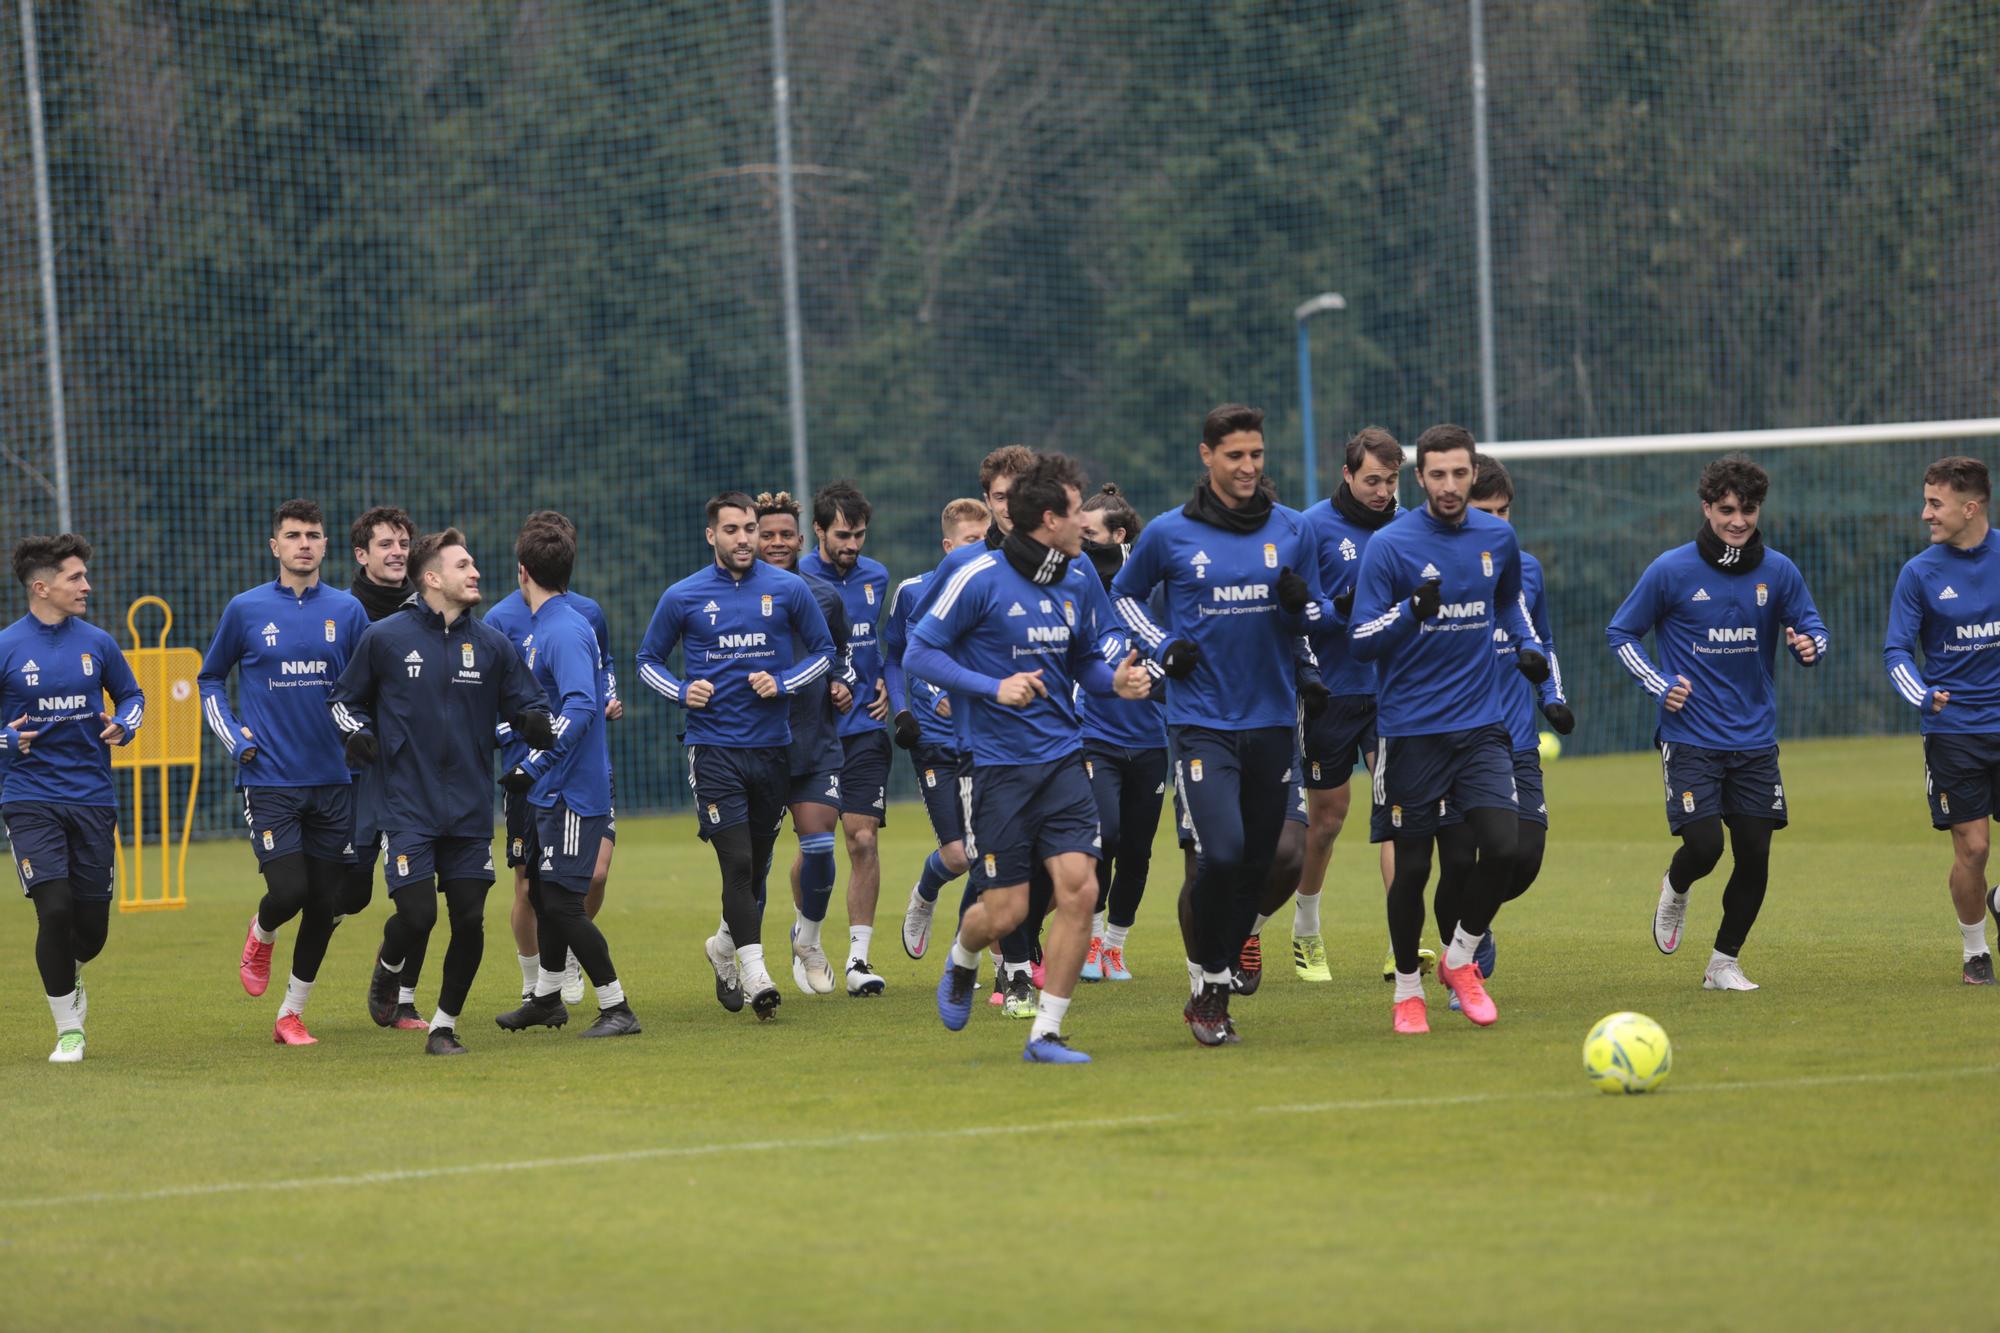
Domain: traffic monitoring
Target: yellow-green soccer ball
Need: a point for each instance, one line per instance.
(1627, 1053)
(1551, 747)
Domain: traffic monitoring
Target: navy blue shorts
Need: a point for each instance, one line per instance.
(738, 786)
(565, 845)
(821, 788)
(409, 858)
(78, 843)
(864, 778)
(939, 771)
(1961, 777)
(1534, 806)
(1023, 814)
(1338, 740)
(520, 827)
(1419, 778)
(1235, 789)
(318, 821)
(1705, 783)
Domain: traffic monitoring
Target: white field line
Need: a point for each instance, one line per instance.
(1357, 1106)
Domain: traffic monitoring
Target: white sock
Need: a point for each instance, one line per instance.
(750, 964)
(1975, 938)
(858, 940)
(62, 1008)
(1014, 970)
(441, 1019)
(261, 935)
(610, 994)
(1718, 957)
(1194, 977)
(1257, 927)
(1409, 986)
(1049, 1013)
(1114, 936)
(546, 982)
(725, 939)
(1305, 915)
(963, 957)
(1215, 978)
(1097, 926)
(1462, 945)
(406, 995)
(296, 994)
(805, 933)
(531, 970)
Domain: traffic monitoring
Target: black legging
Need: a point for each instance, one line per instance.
(744, 858)
(306, 887)
(1743, 895)
(1458, 852)
(465, 900)
(358, 890)
(68, 933)
(565, 929)
(1494, 835)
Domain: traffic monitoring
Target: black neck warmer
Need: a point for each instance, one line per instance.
(1207, 507)
(994, 537)
(1107, 558)
(1033, 561)
(1360, 515)
(377, 600)
(1730, 559)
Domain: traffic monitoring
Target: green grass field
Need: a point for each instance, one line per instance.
(1818, 1158)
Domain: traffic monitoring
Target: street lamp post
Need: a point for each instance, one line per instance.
(1307, 309)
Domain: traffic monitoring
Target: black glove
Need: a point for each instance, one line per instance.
(1314, 696)
(1292, 592)
(1560, 718)
(361, 749)
(1426, 600)
(907, 731)
(1343, 603)
(536, 727)
(1533, 665)
(1179, 660)
(517, 779)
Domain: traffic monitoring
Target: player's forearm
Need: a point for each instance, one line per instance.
(1633, 658)
(931, 664)
(654, 675)
(1377, 633)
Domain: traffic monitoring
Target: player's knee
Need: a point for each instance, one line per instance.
(953, 856)
(1701, 842)
(861, 843)
(1971, 843)
(1005, 911)
(416, 906)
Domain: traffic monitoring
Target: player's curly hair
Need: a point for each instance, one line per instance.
(39, 557)
(1734, 474)
(777, 502)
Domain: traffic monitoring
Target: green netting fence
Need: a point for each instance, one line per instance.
(474, 258)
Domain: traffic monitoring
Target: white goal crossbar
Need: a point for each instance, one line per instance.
(1964, 428)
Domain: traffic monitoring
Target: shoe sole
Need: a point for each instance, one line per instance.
(592, 1032)
(766, 1003)
(869, 990)
(560, 1022)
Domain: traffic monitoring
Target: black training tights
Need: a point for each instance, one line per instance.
(465, 900)
(1458, 853)
(308, 888)
(68, 933)
(1743, 895)
(1494, 837)
(743, 856)
(565, 929)
(358, 890)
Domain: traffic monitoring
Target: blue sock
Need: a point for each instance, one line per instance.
(816, 875)
(935, 877)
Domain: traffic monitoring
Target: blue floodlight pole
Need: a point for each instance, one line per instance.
(1324, 301)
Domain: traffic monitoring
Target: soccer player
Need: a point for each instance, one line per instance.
(56, 798)
(1528, 707)
(923, 727)
(417, 704)
(512, 617)
(840, 526)
(1432, 589)
(1125, 757)
(1242, 581)
(287, 641)
(1947, 602)
(1719, 608)
(815, 754)
(1027, 606)
(567, 786)
(734, 623)
(1341, 737)
(380, 538)
(1014, 990)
